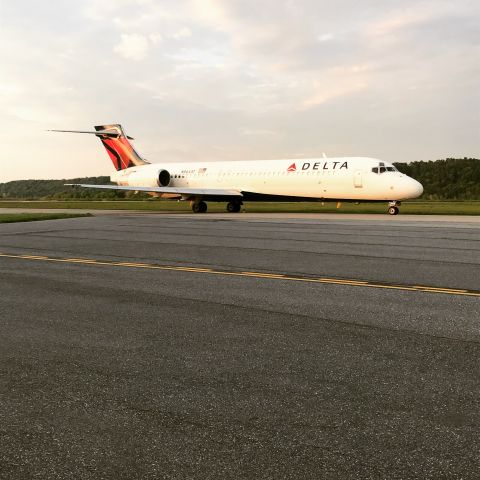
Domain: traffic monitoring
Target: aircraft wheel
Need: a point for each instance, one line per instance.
(393, 210)
(234, 207)
(199, 207)
(195, 207)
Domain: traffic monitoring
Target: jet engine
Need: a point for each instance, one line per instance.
(163, 178)
(142, 177)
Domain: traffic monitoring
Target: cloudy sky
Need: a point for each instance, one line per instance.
(237, 79)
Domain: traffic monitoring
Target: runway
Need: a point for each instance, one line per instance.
(240, 346)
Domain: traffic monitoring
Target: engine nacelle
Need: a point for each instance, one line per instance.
(147, 176)
(164, 178)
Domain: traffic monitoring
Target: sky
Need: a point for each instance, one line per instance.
(236, 80)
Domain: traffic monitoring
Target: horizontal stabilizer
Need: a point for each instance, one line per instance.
(98, 133)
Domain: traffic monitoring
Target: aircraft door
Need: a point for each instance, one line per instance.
(357, 179)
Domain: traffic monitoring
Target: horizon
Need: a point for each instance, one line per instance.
(272, 159)
(261, 160)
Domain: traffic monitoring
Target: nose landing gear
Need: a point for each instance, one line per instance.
(393, 208)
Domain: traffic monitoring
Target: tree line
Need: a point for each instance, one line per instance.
(449, 179)
(57, 190)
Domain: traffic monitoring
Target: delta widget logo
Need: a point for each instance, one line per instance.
(292, 168)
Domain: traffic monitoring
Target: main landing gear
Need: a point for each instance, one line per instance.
(201, 207)
(198, 207)
(234, 207)
(393, 208)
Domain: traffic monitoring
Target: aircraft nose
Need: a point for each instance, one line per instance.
(416, 188)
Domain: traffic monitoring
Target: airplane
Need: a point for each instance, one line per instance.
(350, 179)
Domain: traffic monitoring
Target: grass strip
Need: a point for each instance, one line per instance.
(418, 207)
(32, 217)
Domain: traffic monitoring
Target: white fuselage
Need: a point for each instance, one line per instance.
(348, 178)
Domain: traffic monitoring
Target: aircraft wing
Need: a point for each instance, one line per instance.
(204, 192)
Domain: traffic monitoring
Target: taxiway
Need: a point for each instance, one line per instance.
(240, 346)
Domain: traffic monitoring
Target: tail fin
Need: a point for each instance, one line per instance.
(117, 144)
(119, 149)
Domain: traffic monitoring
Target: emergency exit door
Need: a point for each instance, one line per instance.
(357, 179)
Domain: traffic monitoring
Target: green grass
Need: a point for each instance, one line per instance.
(31, 217)
(97, 204)
(417, 207)
(412, 208)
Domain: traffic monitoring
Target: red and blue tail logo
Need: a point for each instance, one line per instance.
(119, 149)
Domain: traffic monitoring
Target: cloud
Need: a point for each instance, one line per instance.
(155, 38)
(98, 10)
(218, 76)
(338, 82)
(325, 37)
(133, 46)
(211, 11)
(412, 16)
(258, 132)
(183, 32)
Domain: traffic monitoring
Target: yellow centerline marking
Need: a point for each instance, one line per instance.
(79, 260)
(394, 287)
(129, 264)
(341, 282)
(193, 269)
(441, 289)
(265, 275)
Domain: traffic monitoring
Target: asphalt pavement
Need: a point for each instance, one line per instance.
(240, 346)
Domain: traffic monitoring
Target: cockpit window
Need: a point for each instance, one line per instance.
(382, 168)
